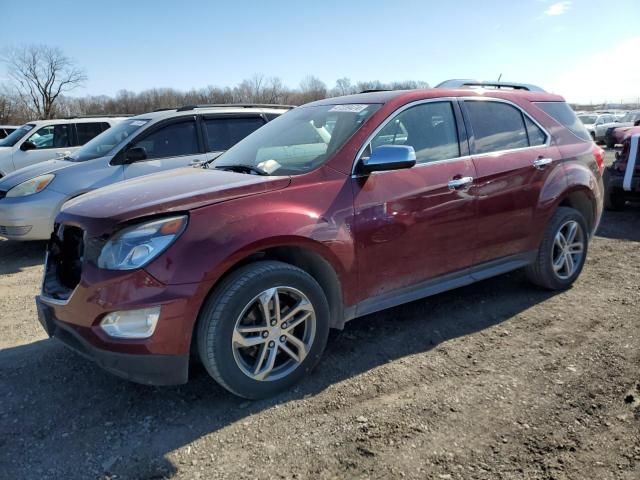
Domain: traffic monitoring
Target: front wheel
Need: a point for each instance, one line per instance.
(562, 252)
(263, 329)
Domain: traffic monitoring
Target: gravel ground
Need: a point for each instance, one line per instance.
(494, 380)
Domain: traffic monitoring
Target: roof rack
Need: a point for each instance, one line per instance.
(462, 83)
(232, 105)
(372, 90)
(106, 115)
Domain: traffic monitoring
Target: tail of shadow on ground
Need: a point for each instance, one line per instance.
(63, 414)
(624, 225)
(16, 256)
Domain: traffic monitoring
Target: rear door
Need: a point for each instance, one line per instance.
(172, 144)
(512, 157)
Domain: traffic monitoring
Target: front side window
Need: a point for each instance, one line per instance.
(299, 141)
(173, 140)
(88, 131)
(107, 141)
(15, 136)
(51, 136)
(223, 133)
(496, 126)
(429, 128)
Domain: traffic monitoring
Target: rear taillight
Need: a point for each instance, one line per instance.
(598, 153)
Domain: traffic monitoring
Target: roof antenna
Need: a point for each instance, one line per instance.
(499, 77)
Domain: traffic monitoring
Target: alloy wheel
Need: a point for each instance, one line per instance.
(274, 333)
(568, 249)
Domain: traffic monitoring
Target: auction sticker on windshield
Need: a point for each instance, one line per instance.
(353, 108)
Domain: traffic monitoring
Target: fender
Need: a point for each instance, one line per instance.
(220, 236)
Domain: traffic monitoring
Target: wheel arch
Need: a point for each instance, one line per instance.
(307, 257)
(582, 199)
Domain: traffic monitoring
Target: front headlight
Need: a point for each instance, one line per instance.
(135, 246)
(32, 186)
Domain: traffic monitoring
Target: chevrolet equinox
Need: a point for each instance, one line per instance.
(337, 209)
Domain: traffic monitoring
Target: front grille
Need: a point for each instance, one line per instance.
(65, 255)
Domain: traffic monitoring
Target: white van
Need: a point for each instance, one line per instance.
(42, 140)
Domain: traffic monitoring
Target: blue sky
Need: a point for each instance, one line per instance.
(576, 48)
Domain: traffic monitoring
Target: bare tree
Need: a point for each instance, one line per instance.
(40, 75)
(312, 88)
(343, 87)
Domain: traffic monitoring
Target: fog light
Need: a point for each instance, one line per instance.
(131, 323)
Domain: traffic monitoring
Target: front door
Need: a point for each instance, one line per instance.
(416, 224)
(171, 145)
(51, 142)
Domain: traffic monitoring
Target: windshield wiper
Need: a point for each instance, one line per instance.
(242, 169)
(208, 162)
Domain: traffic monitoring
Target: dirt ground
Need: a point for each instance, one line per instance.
(495, 380)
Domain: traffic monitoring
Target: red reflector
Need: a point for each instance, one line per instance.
(598, 153)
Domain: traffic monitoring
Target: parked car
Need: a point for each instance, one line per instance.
(600, 129)
(616, 133)
(622, 178)
(592, 121)
(250, 262)
(30, 198)
(6, 130)
(41, 140)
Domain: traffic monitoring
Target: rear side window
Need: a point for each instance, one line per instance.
(536, 135)
(224, 133)
(496, 126)
(563, 114)
(88, 131)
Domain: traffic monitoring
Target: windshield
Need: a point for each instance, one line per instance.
(11, 140)
(298, 141)
(588, 119)
(104, 143)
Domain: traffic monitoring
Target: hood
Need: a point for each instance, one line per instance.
(174, 190)
(32, 171)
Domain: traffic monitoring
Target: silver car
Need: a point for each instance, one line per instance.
(31, 197)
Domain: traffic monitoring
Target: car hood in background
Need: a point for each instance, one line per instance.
(32, 171)
(174, 190)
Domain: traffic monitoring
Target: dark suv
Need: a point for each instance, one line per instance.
(335, 210)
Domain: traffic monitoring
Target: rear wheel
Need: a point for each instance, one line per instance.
(263, 329)
(562, 252)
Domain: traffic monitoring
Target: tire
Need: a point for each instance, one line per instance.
(593, 136)
(611, 143)
(236, 306)
(613, 199)
(542, 272)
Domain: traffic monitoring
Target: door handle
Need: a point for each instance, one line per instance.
(458, 183)
(542, 163)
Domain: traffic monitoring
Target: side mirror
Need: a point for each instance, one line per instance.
(28, 146)
(389, 157)
(135, 154)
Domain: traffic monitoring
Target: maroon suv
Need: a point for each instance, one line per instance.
(337, 209)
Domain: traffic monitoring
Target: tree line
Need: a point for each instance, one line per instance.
(42, 77)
